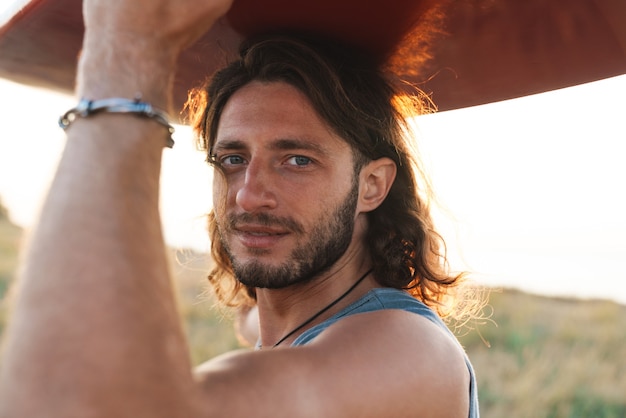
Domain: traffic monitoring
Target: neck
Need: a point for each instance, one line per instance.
(286, 313)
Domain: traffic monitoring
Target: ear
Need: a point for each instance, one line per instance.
(376, 179)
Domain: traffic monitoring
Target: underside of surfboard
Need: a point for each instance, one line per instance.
(462, 53)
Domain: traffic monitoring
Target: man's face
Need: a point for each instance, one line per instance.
(285, 201)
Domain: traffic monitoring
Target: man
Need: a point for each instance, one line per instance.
(317, 214)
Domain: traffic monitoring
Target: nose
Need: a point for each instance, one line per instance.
(256, 192)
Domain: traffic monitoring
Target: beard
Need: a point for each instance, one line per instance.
(326, 243)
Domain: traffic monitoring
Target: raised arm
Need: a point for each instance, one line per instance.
(95, 332)
(95, 321)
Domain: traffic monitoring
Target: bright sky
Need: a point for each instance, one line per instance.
(534, 188)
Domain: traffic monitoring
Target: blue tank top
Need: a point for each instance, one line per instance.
(388, 298)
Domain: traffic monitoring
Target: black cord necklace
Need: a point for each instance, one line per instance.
(324, 309)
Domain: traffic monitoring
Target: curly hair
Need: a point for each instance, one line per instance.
(369, 109)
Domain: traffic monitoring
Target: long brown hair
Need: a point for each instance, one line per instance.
(369, 110)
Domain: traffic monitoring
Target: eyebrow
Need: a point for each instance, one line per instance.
(227, 145)
(292, 144)
(283, 144)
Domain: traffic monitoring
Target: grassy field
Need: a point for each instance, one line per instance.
(551, 358)
(537, 357)
(10, 242)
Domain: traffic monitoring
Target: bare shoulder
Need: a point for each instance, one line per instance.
(378, 364)
(406, 351)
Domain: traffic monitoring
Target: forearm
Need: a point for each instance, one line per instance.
(95, 324)
(95, 332)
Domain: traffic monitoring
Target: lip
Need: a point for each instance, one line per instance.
(255, 236)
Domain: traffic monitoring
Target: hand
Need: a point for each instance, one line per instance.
(170, 22)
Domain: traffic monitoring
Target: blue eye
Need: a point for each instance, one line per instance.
(231, 160)
(299, 160)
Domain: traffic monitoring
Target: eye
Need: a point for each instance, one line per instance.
(299, 161)
(231, 160)
(226, 162)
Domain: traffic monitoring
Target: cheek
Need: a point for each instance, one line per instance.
(226, 187)
(321, 202)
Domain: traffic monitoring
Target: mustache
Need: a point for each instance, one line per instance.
(264, 219)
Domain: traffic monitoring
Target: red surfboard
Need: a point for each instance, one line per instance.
(464, 53)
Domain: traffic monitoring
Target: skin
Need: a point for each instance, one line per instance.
(95, 331)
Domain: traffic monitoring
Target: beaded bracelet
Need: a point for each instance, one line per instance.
(87, 108)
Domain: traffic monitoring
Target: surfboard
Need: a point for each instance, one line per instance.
(462, 53)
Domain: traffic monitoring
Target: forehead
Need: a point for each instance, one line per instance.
(264, 111)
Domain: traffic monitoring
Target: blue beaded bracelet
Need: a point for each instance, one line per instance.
(87, 108)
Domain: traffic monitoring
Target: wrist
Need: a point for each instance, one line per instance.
(114, 65)
(136, 107)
